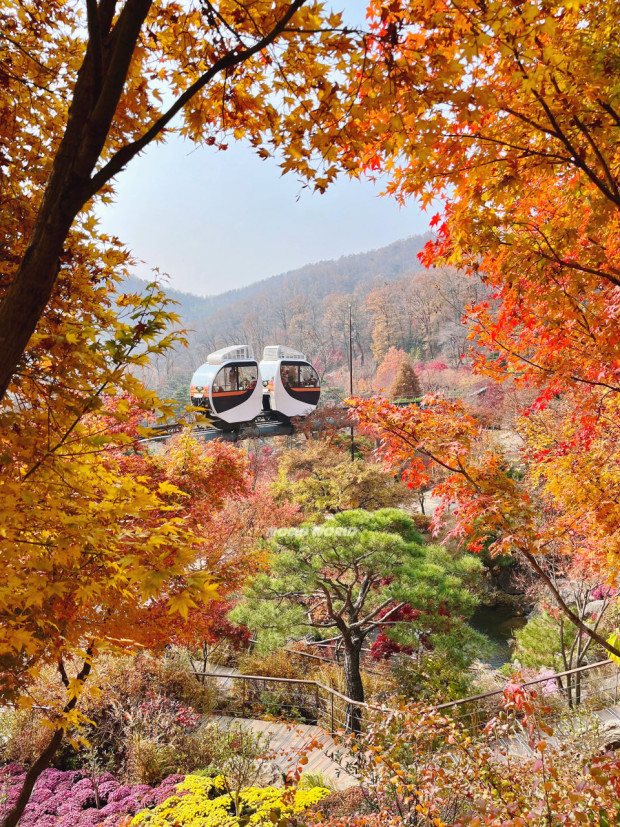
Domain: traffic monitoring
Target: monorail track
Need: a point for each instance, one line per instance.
(260, 428)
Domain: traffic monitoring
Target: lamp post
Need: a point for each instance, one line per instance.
(351, 377)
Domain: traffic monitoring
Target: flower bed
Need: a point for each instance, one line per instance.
(207, 804)
(69, 799)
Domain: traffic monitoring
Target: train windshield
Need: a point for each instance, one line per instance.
(236, 378)
(295, 375)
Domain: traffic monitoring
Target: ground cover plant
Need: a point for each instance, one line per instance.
(156, 744)
(149, 720)
(77, 798)
(208, 803)
(131, 697)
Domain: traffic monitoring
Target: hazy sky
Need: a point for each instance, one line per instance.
(217, 220)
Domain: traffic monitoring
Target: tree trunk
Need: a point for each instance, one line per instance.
(42, 763)
(73, 180)
(12, 818)
(355, 687)
(69, 186)
(30, 290)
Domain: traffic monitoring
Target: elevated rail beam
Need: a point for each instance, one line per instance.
(260, 430)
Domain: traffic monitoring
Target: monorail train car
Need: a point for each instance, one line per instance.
(228, 386)
(291, 386)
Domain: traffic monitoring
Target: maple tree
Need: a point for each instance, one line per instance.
(91, 535)
(85, 542)
(422, 768)
(84, 91)
(234, 545)
(353, 575)
(211, 631)
(523, 514)
(509, 115)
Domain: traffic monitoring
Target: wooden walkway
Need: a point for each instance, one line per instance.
(289, 741)
(606, 730)
(600, 725)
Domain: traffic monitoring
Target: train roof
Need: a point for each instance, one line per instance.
(230, 354)
(273, 353)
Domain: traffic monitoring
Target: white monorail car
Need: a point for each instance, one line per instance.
(234, 389)
(228, 386)
(291, 386)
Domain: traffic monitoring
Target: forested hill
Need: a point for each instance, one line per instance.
(318, 280)
(395, 302)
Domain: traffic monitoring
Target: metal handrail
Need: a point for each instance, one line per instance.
(334, 693)
(319, 685)
(331, 693)
(437, 708)
(579, 669)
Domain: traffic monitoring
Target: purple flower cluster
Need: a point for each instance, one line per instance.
(69, 799)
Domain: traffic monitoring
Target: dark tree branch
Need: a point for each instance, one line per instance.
(224, 64)
(577, 621)
(94, 38)
(72, 183)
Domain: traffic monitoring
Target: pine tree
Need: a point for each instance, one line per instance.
(349, 578)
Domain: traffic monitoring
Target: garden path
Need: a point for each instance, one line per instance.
(290, 741)
(596, 720)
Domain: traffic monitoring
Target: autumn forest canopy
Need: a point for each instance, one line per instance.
(488, 393)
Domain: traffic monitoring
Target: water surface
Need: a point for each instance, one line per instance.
(499, 624)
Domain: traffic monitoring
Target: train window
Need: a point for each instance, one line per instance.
(290, 375)
(227, 379)
(236, 378)
(248, 377)
(308, 377)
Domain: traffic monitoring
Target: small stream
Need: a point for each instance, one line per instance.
(499, 624)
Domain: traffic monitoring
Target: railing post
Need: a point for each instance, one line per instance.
(243, 702)
(332, 730)
(316, 701)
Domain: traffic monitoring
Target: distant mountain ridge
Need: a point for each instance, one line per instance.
(317, 280)
(386, 297)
